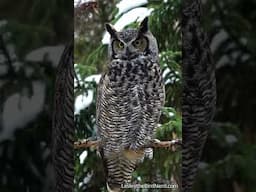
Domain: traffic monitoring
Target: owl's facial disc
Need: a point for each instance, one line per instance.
(129, 43)
(130, 49)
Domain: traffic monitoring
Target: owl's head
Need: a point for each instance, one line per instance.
(132, 43)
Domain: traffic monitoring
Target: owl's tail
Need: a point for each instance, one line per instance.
(120, 169)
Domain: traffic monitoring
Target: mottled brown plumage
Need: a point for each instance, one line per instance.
(129, 102)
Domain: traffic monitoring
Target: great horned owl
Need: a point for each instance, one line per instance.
(130, 98)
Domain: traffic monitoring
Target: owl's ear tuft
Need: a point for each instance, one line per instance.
(111, 30)
(144, 25)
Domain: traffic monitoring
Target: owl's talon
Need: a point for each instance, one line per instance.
(156, 141)
(133, 147)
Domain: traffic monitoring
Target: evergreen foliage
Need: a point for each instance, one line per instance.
(165, 166)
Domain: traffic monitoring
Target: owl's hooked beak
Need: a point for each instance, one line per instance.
(129, 54)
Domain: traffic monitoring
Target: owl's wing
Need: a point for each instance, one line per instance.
(99, 102)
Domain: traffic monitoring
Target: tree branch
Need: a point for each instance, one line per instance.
(155, 143)
(87, 143)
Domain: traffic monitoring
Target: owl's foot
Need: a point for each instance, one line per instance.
(140, 149)
(134, 147)
(155, 141)
(149, 153)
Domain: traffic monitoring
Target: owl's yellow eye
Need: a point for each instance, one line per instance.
(140, 44)
(118, 45)
(137, 43)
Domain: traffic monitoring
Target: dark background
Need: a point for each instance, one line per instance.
(229, 158)
(32, 38)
